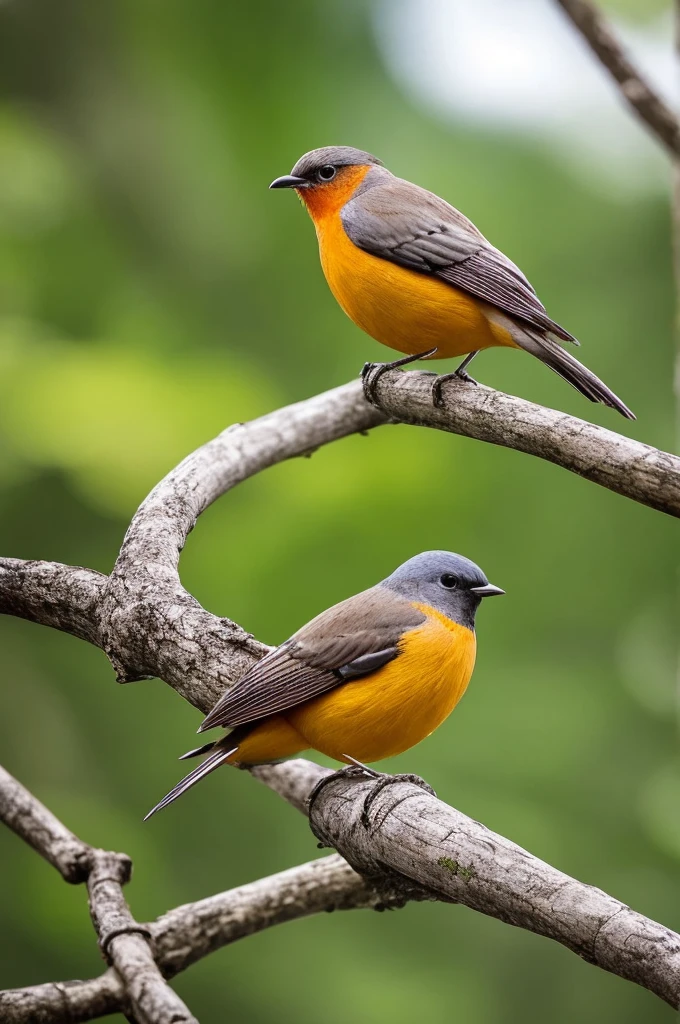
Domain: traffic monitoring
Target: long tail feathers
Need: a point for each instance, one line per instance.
(219, 757)
(579, 376)
(197, 751)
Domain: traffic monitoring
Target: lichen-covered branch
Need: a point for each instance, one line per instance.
(636, 91)
(402, 831)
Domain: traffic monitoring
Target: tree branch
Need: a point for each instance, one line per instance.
(38, 827)
(400, 829)
(145, 587)
(638, 94)
(409, 845)
(63, 1002)
(63, 596)
(123, 942)
(188, 933)
(617, 462)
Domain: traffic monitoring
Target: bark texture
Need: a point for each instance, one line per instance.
(398, 842)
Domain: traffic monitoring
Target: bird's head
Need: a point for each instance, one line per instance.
(450, 583)
(325, 179)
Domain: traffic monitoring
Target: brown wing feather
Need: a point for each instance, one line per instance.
(405, 224)
(320, 656)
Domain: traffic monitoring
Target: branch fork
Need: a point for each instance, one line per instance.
(397, 842)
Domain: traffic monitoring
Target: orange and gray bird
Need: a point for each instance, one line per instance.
(366, 679)
(418, 276)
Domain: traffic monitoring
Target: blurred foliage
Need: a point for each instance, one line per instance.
(151, 292)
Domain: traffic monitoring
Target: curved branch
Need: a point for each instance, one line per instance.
(151, 626)
(145, 587)
(636, 91)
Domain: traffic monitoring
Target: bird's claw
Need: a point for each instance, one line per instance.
(372, 372)
(462, 375)
(370, 375)
(382, 781)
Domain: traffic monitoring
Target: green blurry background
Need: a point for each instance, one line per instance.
(152, 292)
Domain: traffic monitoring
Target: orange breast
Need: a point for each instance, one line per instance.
(398, 706)
(400, 308)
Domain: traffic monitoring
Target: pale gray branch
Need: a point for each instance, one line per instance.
(63, 1002)
(412, 847)
(401, 830)
(124, 943)
(63, 596)
(37, 826)
(127, 945)
(190, 932)
(617, 462)
(636, 91)
(149, 625)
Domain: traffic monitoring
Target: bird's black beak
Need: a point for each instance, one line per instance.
(289, 181)
(488, 590)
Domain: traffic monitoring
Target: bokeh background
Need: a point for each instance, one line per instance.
(152, 292)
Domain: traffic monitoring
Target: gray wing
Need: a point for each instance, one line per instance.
(405, 224)
(350, 640)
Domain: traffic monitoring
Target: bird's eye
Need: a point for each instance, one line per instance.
(326, 173)
(449, 581)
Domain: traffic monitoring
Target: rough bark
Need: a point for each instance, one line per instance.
(399, 830)
(406, 844)
(143, 955)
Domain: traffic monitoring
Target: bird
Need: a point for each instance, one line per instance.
(416, 275)
(364, 680)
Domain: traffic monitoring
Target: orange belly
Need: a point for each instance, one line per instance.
(400, 308)
(383, 714)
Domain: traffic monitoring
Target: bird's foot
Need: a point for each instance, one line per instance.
(350, 771)
(372, 372)
(357, 770)
(462, 375)
(382, 781)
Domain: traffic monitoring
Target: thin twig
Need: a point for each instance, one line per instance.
(637, 92)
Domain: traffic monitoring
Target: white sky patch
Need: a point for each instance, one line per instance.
(520, 66)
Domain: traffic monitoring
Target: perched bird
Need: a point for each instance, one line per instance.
(366, 679)
(418, 276)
